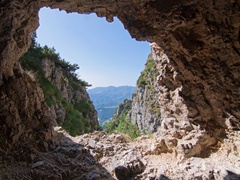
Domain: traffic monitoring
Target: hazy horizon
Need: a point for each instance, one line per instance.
(110, 86)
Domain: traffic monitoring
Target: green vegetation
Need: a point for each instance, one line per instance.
(75, 122)
(76, 114)
(51, 93)
(122, 124)
(147, 74)
(83, 106)
(146, 82)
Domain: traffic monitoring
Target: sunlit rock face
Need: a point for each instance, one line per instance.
(199, 74)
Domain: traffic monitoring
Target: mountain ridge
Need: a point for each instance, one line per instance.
(107, 99)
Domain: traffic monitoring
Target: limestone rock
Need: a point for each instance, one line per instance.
(152, 158)
(39, 163)
(198, 60)
(65, 160)
(102, 156)
(145, 112)
(25, 118)
(124, 106)
(199, 69)
(62, 81)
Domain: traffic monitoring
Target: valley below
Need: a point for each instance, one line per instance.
(107, 99)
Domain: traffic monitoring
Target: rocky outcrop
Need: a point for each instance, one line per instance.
(145, 111)
(123, 107)
(73, 92)
(121, 122)
(65, 159)
(197, 52)
(25, 118)
(102, 156)
(148, 158)
(176, 126)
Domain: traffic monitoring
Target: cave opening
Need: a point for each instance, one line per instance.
(205, 88)
(107, 56)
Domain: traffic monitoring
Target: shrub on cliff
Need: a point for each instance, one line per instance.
(123, 125)
(147, 74)
(121, 122)
(75, 122)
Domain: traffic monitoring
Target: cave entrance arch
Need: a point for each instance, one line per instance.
(201, 39)
(105, 53)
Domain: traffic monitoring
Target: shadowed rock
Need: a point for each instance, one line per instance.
(197, 52)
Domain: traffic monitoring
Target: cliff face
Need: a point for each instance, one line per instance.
(64, 92)
(198, 58)
(123, 108)
(121, 121)
(158, 106)
(145, 112)
(73, 92)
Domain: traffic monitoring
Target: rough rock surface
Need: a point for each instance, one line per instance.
(62, 81)
(124, 107)
(194, 137)
(199, 64)
(199, 38)
(148, 158)
(107, 157)
(145, 111)
(63, 160)
(24, 116)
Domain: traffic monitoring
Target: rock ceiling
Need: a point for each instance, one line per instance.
(201, 41)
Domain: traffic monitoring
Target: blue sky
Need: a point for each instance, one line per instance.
(105, 52)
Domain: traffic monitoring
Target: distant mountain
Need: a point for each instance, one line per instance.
(107, 99)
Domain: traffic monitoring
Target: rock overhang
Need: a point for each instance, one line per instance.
(200, 38)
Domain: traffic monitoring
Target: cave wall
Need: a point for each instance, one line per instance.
(201, 40)
(24, 117)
